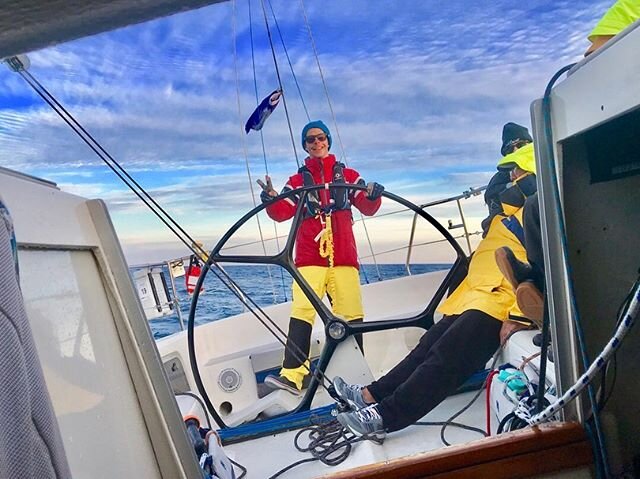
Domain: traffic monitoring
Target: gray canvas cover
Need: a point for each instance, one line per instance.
(30, 441)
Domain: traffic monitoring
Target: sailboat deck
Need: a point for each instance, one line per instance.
(266, 456)
(557, 450)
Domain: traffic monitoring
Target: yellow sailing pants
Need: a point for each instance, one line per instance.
(342, 284)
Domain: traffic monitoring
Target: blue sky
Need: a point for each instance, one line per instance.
(420, 92)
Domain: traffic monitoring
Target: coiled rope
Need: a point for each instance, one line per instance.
(329, 443)
(325, 239)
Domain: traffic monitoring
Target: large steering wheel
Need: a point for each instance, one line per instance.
(336, 329)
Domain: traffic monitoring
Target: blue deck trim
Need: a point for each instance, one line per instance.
(276, 425)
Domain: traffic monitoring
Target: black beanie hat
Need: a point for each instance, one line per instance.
(512, 132)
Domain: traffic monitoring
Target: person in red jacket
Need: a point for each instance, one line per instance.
(325, 249)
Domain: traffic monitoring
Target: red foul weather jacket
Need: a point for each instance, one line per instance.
(307, 251)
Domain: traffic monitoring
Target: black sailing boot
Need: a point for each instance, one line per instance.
(296, 355)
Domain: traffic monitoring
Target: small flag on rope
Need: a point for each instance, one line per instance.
(262, 112)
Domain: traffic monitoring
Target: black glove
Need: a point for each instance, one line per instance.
(268, 193)
(265, 197)
(374, 190)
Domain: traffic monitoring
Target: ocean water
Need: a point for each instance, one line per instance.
(266, 285)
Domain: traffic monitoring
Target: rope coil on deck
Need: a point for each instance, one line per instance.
(329, 443)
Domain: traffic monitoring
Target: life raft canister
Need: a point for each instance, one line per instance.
(192, 274)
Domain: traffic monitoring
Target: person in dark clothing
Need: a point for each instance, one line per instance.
(433, 370)
(526, 278)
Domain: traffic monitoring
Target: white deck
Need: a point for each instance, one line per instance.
(261, 461)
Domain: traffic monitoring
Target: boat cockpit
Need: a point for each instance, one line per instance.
(114, 388)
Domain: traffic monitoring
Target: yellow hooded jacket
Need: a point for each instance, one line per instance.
(485, 288)
(523, 157)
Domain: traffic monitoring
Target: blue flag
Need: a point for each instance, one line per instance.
(262, 112)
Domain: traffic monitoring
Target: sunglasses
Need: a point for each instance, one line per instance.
(311, 139)
(515, 144)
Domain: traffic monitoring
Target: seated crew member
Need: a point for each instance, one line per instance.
(527, 277)
(514, 137)
(325, 251)
(477, 319)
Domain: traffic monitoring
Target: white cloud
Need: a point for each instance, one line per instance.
(87, 190)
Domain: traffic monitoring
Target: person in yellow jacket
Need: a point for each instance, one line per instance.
(478, 316)
(622, 14)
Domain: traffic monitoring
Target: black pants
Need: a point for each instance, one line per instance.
(533, 239)
(447, 355)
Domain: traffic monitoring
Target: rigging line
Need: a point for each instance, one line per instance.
(324, 83)
(219, 272)
(284, 96)
(124, 176)
(249, 243)
(244, 148)
(77, 128)
(264, 150)
(255, 86)
(293, 73)
(557, 203)
(335, 124)
(293, 348)
(329, 442)
(120, 172)
(373, 254)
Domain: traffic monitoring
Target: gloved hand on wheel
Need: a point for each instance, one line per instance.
(374, 190)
